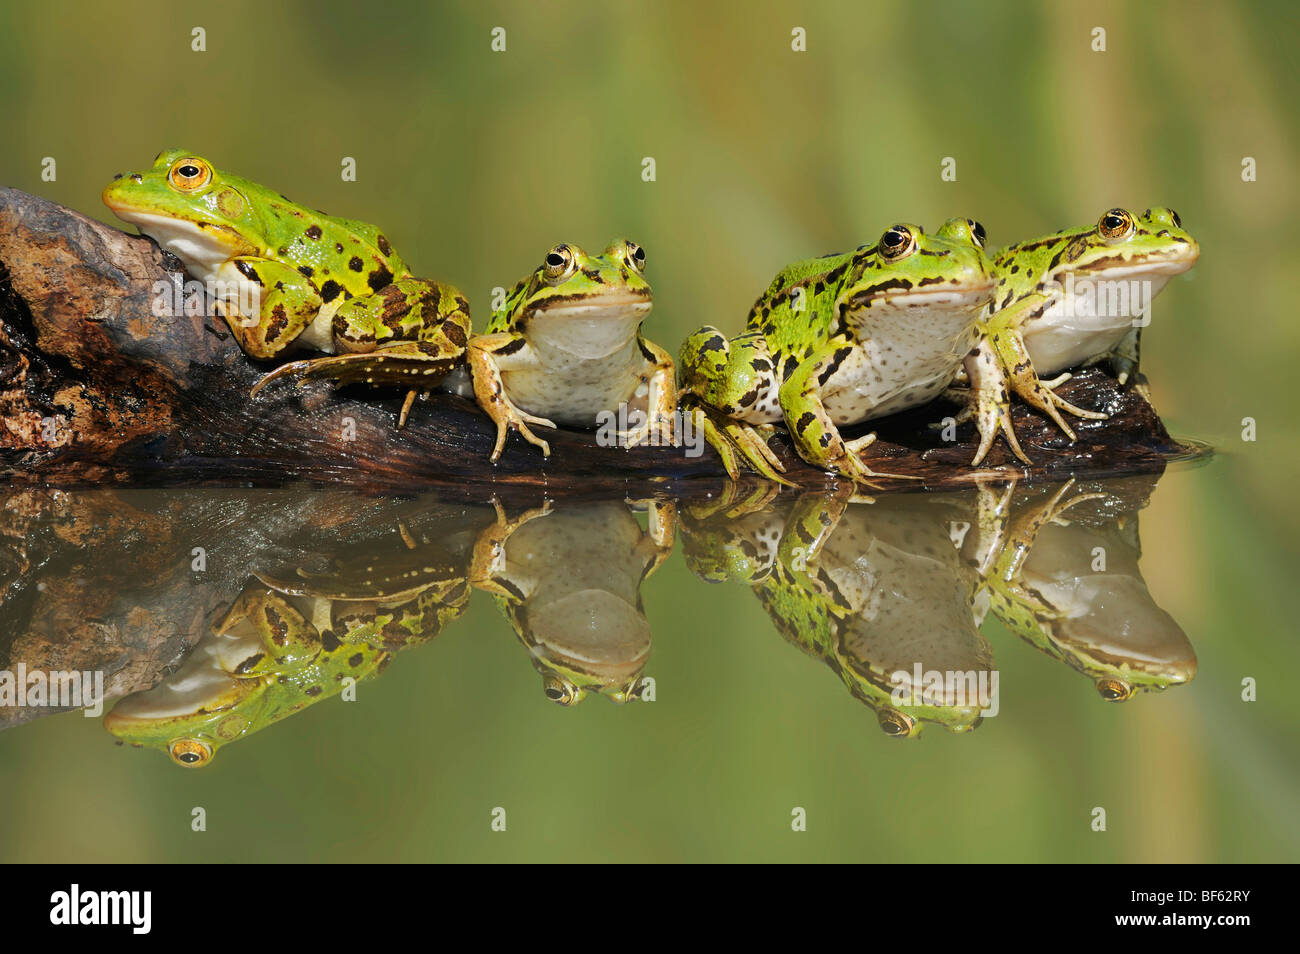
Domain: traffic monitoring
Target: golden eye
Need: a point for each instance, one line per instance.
(897, 243)
(978, 232)
(1114, 690)
(191, 752)
(1115, 225)
(189, 175)
(559, 690)
(635, 256)
(559, 263)
(896, 724)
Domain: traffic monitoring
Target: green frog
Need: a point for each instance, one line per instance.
(571, 587)
(318, 282)
(1078, 297)
(874, 592)
(565, 347)
(285, 644)
(1044, 583)
(839, 340)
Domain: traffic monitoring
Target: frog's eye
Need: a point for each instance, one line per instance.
(189, 174)
(1115, 225)
(895, 723)
(559, 263)
(560, 691)
(897, 242)
(978, 232)
(190, 752)
(1114, 690)
(635, 256)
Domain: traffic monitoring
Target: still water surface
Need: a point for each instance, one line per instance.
(1008, 674)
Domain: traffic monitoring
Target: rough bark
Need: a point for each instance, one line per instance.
(96, 389)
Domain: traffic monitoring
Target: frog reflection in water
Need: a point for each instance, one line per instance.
(872, 591)
(287, 643)
(863, 588)
(570, 582)
(1062, 574)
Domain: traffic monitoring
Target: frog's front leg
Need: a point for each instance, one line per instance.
(289, 639)
(488, 561)
(409, 333)
(489, 356)
(988, 401)
(661, 531)
(810, 524)
(815, 435)
(661, 399)
(287, 304)
(1004, 335)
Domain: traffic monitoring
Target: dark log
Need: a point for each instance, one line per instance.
(97, 389)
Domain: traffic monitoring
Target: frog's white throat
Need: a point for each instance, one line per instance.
(588, 330)
(202, 249)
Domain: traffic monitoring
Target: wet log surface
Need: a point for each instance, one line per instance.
(96, 389)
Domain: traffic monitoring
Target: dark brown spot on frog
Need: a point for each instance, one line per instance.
(248, 664)
(383, 245)
(330, 290)
(454, 332)
(354, 262)
(749, 397)
(593, 275)
(279, 628)
(510, 347)
(338, 247)
(805, 421)
(313, 691)
(313, 232)
(329, 641)
(279, 321)
(355, 660)
(248, 271)
(379, 278)
(306, 271)
(787, 369)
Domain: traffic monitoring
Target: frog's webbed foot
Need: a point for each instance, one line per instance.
(734, 439)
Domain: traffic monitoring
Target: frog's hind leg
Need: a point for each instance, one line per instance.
(733, 388)
(409, 334)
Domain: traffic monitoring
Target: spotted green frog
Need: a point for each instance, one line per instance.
(318, 282)
(1071, 588)
(871, 591)
(571, 587)
(839, 340)
(566, 345)
(285, 644)
(1073, 298)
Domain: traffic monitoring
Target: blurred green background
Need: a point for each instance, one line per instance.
(475, 162)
